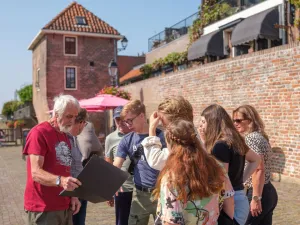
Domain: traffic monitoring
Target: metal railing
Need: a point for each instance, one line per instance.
(172, 33)
(219, 11)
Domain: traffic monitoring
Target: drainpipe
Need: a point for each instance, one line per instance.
(282, 32)
(115, 58)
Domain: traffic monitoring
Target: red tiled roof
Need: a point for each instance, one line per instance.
(131, 74)
(65, 21)
(126, 63)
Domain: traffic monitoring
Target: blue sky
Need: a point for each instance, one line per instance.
(22, 19)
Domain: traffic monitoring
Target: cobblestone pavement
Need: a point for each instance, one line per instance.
(13, 177)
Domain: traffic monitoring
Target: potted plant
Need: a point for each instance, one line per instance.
(155, 44)
(10, 124)
(157, 64)
(182, 61)
(146, 71)
(117, 91)
(19, 123)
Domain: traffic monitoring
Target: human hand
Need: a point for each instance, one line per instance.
(75, 205)
(69, 183)
(120, 190)
(110, 203)
(255, 207)
(201, 134)
(154, 121)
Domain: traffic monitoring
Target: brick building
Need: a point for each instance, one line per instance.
(269, 80)
(70, 55)
(240, 28)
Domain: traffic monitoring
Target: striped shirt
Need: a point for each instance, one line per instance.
(76, 166)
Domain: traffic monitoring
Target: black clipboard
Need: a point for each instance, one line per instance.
(100, 181)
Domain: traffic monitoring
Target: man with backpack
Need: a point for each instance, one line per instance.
(142, 205)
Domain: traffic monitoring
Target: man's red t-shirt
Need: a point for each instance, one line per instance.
(54, 146)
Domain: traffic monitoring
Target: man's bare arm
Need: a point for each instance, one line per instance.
(45, 178)
(108, 160)
(118, 162)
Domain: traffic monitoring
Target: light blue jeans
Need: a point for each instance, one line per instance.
(241, 207)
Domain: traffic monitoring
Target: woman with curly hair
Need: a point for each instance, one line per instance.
(188, 187)
(261, 193)
(169, 110)
(228, 146)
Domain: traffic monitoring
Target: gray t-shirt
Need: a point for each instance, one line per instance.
(88, 142)
(111, 146)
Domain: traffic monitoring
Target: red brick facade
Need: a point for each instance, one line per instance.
(90, 79)
(268, 80)
(49, 57)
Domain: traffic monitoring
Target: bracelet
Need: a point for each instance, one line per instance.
(228, 194)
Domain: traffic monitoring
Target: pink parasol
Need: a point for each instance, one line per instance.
(88, 110)
(102, 102)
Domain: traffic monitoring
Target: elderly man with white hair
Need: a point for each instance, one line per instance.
(48, 167)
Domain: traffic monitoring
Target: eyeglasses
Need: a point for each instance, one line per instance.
(130, 121)
(238, 120)
(84, 122)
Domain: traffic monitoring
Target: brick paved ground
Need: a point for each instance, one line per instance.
(12, 181)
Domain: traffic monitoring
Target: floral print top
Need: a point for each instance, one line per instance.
(195, 212)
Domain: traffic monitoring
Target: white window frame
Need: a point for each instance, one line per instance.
(65, 78)
(76, 45)
(84, 19)
(37, 79)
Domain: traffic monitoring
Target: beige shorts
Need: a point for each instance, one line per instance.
(63, 217)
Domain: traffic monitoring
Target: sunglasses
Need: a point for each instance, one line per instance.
(238, 120)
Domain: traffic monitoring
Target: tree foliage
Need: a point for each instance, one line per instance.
(9, 107)
(296, 3)
(25, 93)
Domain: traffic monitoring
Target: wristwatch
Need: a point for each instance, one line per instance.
(58, 181)
(256, 198)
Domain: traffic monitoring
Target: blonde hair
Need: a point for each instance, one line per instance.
(256, 123)
(176, 107)
(133, 106)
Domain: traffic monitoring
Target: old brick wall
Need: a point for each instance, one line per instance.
(268, 80)
(90, 80)
(49, 55)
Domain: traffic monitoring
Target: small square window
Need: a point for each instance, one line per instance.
(80, 20)
(70, 76)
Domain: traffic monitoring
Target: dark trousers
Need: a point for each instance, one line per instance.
(268, 202)
(79, 218)
(122, 207)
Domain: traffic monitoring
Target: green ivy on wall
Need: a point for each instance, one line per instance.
(209, 12)
(296, 3)
(172, 59)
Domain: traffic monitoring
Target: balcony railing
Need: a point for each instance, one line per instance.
(172, 33)
(219, 11)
